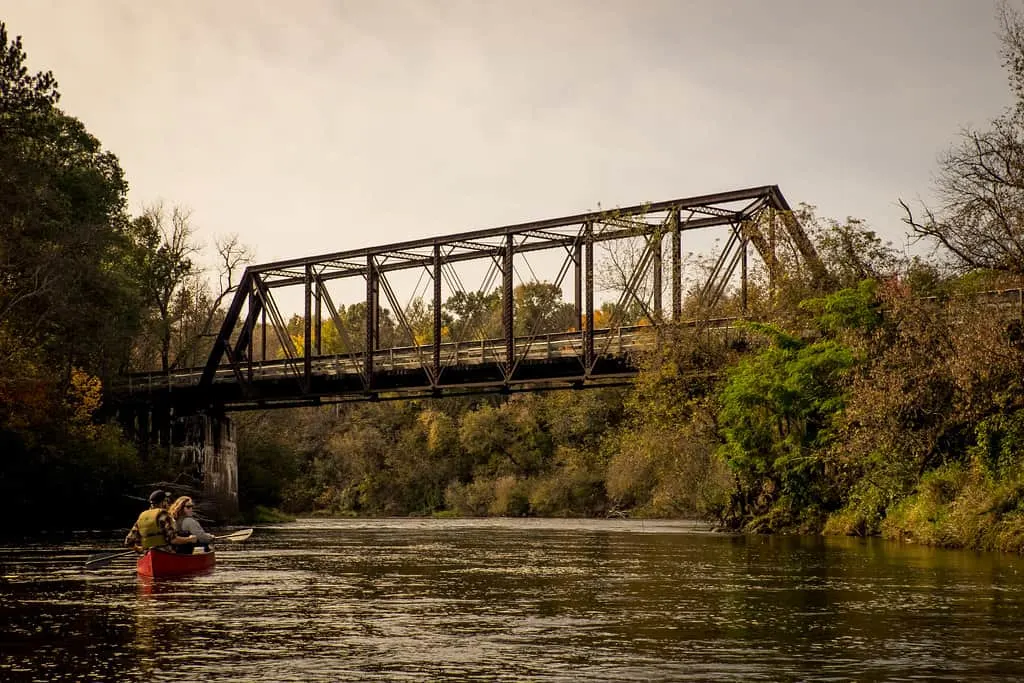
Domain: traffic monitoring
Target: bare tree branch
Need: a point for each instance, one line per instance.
(233, 254)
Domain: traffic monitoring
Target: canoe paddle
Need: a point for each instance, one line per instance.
(235, 536)
(105, 558)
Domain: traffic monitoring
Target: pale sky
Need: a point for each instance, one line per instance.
(310, 127)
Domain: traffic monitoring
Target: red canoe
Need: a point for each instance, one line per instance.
(157, 563)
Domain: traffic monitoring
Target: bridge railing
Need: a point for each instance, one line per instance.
(617, 342)
(1000, 298)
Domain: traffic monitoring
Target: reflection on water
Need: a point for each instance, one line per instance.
(517, 600)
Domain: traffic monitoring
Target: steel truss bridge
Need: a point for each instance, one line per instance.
(238, 374)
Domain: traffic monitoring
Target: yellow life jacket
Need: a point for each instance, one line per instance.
(150, 530)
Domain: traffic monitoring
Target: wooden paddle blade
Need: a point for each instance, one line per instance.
(102, 559)
(236, 536)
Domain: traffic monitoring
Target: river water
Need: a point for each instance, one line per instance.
(516, 600)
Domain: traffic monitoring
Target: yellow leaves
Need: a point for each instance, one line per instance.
(601, 319)
(429, 423)
(440, 430)
(83, 398)
(330, 339)
(298, 341)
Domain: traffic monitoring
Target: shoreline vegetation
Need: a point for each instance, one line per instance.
(887, 401)
(874, 424)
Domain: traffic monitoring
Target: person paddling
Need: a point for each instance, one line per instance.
(155, 528)
(187, 525)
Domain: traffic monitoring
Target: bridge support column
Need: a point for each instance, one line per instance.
(677, 268)
(657, 277)
(206, 454)
(136, 422)
(372, 317)
(743, 274)
(263, 332)
(588, 268)
(199, 450)
(307, 329)
(318, 320)
(436, 360)
(508, 305)
(577, 258)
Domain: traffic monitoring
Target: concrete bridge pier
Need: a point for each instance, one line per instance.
(201, 452)
(203, 449)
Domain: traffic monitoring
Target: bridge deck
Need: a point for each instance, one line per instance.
(552, 360)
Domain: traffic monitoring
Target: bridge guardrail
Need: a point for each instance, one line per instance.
(616, 342)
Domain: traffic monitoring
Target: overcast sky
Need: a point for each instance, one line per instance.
(309, 127)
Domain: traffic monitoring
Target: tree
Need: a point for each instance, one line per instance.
(420, 317)
(164, 265)
(779, 409)
(349, 337)
(62, 221)
(539, 309)
(850, 251)
(473, 315)
(980, 222)
(616, 273)
(69, 305)
(198, 310)
(232, 255)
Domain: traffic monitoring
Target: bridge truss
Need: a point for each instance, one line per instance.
(239, 375)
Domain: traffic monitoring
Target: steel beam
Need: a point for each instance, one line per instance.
(372, 330)
(657, 277)
(507, 302)
(703, 202)
(496, 251)
(230, 319)
(578, 234)
(588, 333)
(318, 317)
(437, 313)
(307, 327)
(677, 267)
(577, 259)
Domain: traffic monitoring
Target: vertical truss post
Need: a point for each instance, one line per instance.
(372, 333)
(588, 333)
(263, 333)
(771, 257)
(656, 237)
(252, 307)
(743, 274)
(677, 268)
(318, 318)
(307, 328)
(437, 313)
(507, 309)
(577, 259)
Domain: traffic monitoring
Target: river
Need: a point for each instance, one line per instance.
(516, 600)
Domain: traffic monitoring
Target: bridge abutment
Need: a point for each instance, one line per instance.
(206, 452)
(201, 451)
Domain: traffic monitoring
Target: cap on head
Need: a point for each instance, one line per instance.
(158, 497)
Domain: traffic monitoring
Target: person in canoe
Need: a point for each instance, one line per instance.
(155, 527)
(188, 526)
